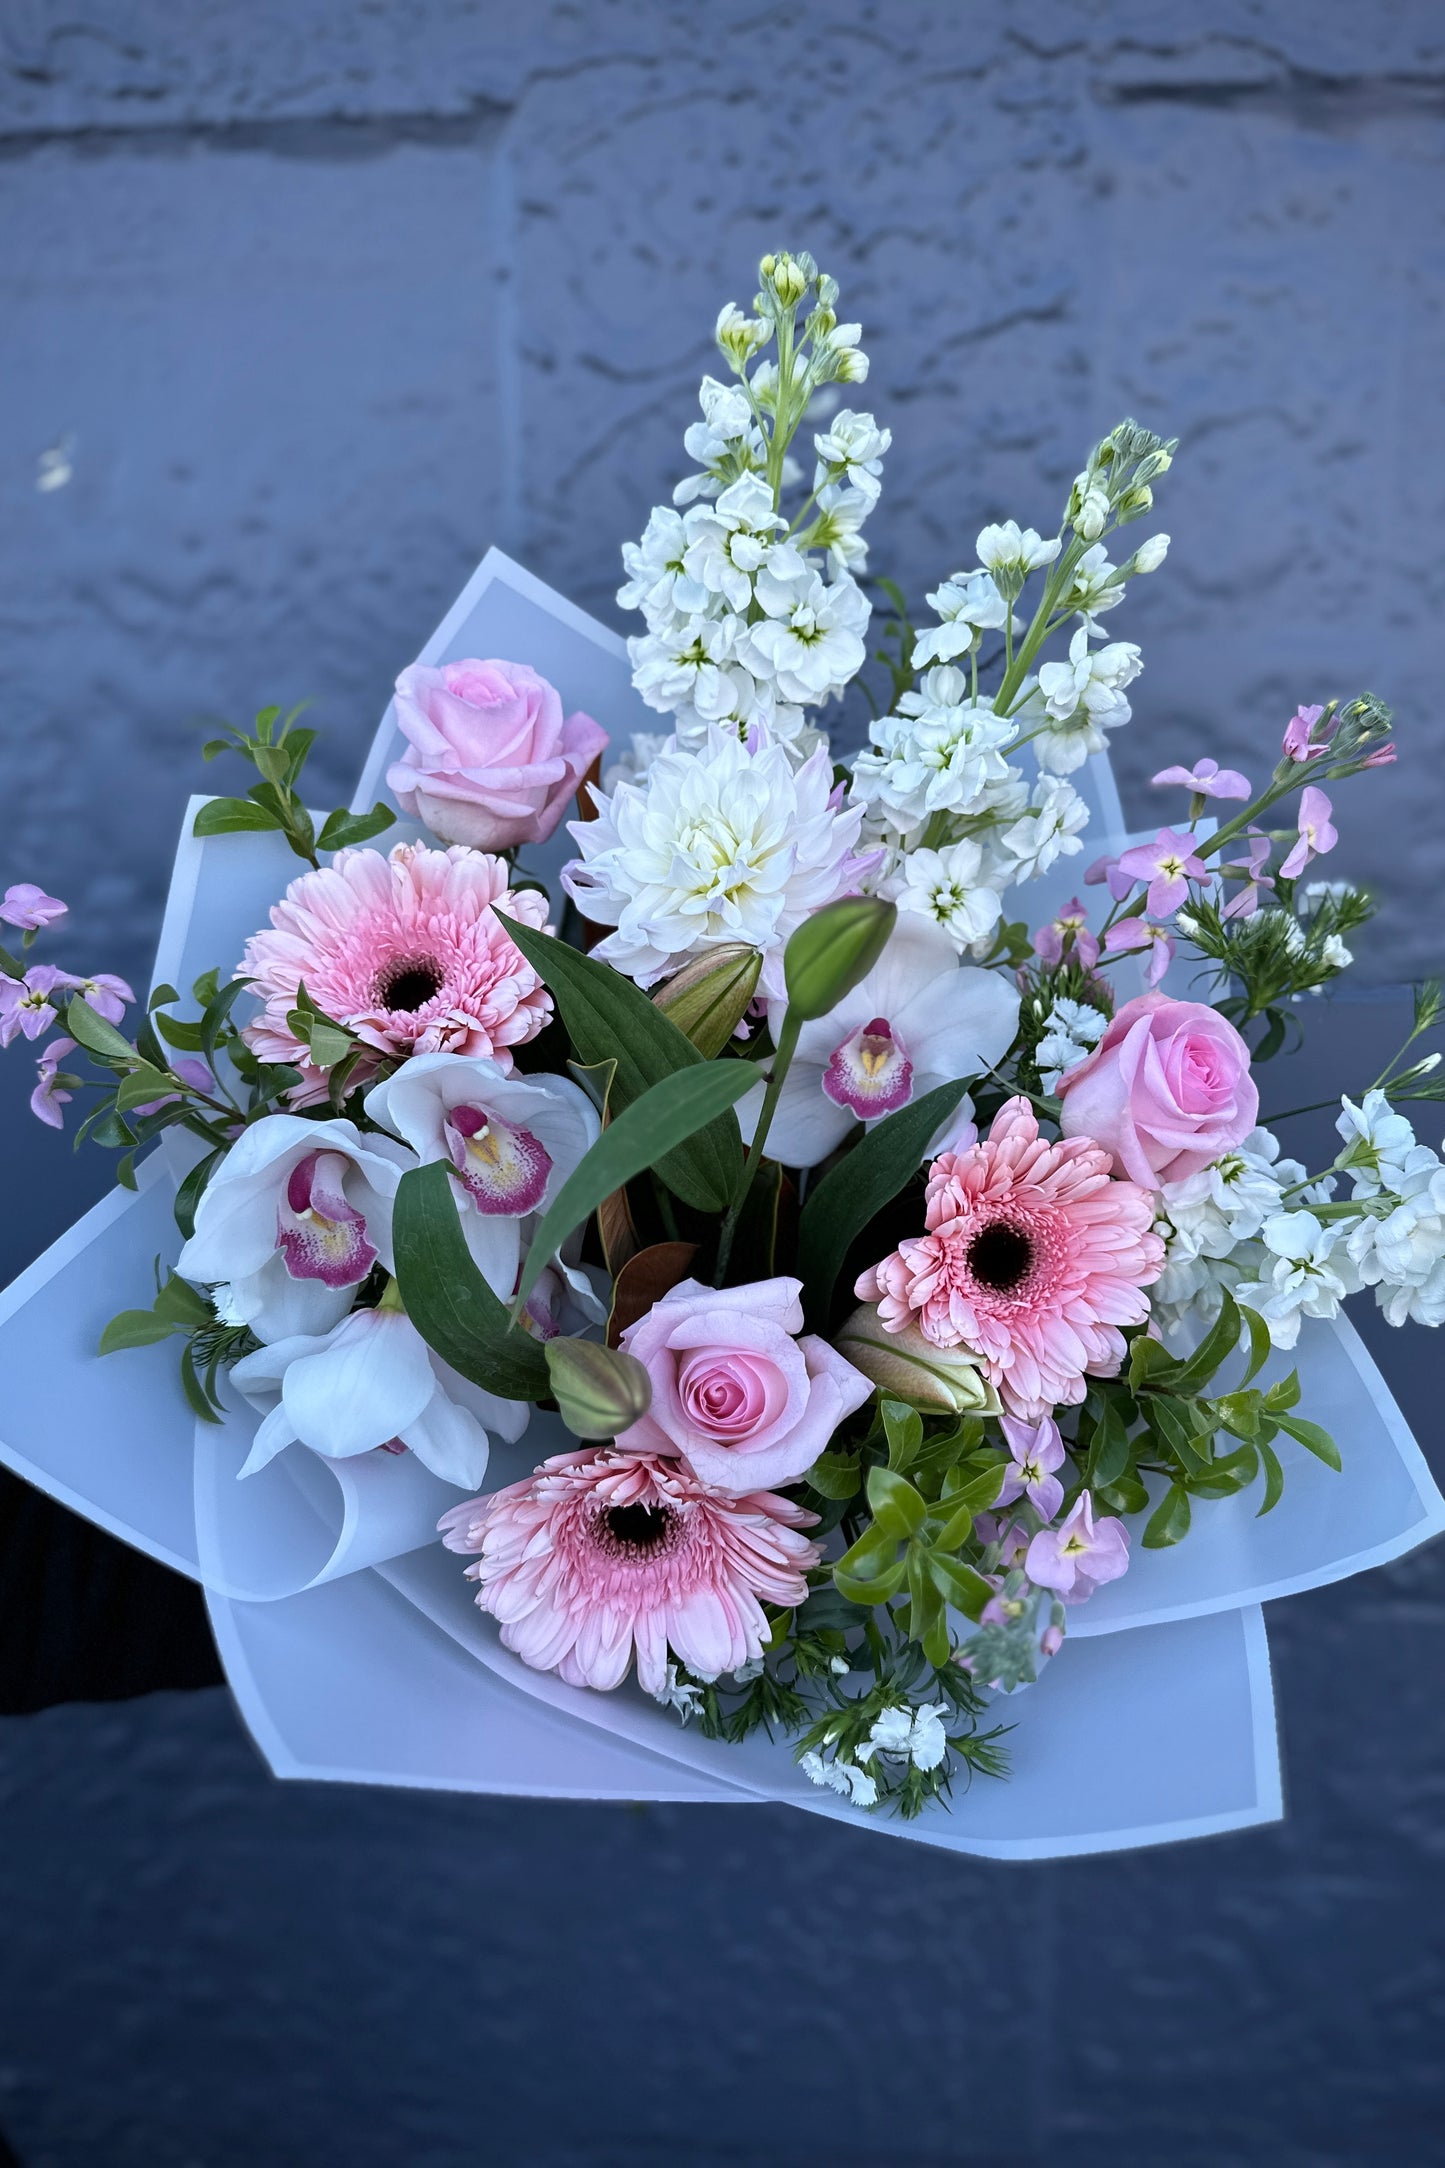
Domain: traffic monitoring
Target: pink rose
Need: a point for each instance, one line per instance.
(490, 761)
(747, 1403)
(1167, 1090)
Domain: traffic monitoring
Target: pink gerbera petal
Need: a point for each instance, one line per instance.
(1035, 1257)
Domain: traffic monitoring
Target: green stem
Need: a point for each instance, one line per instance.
(782, 1062)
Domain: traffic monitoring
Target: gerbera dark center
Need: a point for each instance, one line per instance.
(638, 1528)
(999, 1256)
(408, 984)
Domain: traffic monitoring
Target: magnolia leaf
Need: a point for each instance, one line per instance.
(663, 1118)
(856, 1190)
(644, 1280)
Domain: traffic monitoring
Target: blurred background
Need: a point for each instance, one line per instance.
(307, 302)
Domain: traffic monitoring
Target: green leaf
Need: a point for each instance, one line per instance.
(1126, 1495)
(856, 1190)
(94, 1033)
(1260, 1344)
(193, 1389)
(1220, 1341)
(610, 1019)
(1170, 1421)
(872, 1554)
(1312, 1438)
(135, 1328)
(1273, 1479)
(329, 1044)
(188, 1196)
(1108, 1449)
(896, 1505)
(179, 1302)
(228, 816)
(977, 1490)
(340, 830)
(1239, 1413)
(1285, 1393)
(142, 1085)
(903, 1428)
(1149, 1360)
(654, 1125)
(446, 1298)
(217, 1014)
(872, 1589)
(966, 1590)
(1169, 1522)
(835, 1475)
(177, 1032)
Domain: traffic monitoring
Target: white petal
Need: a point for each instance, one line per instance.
(276, 1307)
(960, 1024)
(274, 1435)
(450, 1441)
(372, 1379)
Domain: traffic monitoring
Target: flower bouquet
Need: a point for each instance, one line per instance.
(701, 1297)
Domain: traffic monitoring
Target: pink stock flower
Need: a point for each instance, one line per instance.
(603, 1553)
(1108, 869)
(408, 951)
(1299, 733)
(27, 1006)
(29, 907)
(1037, 1450)
(1081, 1554)
(1034, 1257)
(1168, 864)
(490, 762)
(1167, 1090)
(1316, 834)
(746, 1402)
(50, 1094)
(1143, 933)
(106, 994)
(1246, 903)
(1207, 780)
(1070, 929)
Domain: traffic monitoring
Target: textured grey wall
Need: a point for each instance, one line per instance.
(326, 295)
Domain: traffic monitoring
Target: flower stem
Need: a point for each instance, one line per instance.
(782, 1062)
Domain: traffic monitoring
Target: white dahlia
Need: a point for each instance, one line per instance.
(724, 843)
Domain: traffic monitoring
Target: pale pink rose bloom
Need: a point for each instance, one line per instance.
(490, 762)
(601, 1553)
(409, 951)
(1167, 1090)
(1035, 1257)
(747, 1403)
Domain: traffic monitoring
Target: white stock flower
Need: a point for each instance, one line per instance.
(1004, 548)
(685, 664)
(844, 1777)
(1151, 554)
(729, 540)
(949, 887)
(1048, 832)
(632, 764)
(679, 1694)
(727, 428)
(725, 843)
(915, 1734)
(966, 604)
(292, 1222)
(658, 582)
(810, 643)
(917, 1020)
(373, 1381)
(940, 753)
(1094, 587)
(839, 527)
(1070, 1029)
(513, 1140)
(1082, 699)
(1378, 1143)
(1306, 1273)
(851, 450)
(1227, 1203)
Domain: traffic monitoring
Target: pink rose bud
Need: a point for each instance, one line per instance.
(490, 761)
(1167, 1090)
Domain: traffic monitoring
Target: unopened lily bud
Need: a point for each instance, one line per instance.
(909, 1367)
(832, 951)
(599, 1391)
(709, 997)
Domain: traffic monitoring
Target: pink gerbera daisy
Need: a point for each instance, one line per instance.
(1034, 1257)
(599, 1553)
(409, 951)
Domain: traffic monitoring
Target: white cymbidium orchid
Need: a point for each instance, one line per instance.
(919, 1019)
(513, 1141)
(373, 1381)
(292, 1221)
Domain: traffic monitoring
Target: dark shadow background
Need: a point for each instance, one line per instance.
(306, 302)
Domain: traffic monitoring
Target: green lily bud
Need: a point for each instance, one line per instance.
(908, 1367)
(599, 1390)
(709, 997)
(832, 951)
